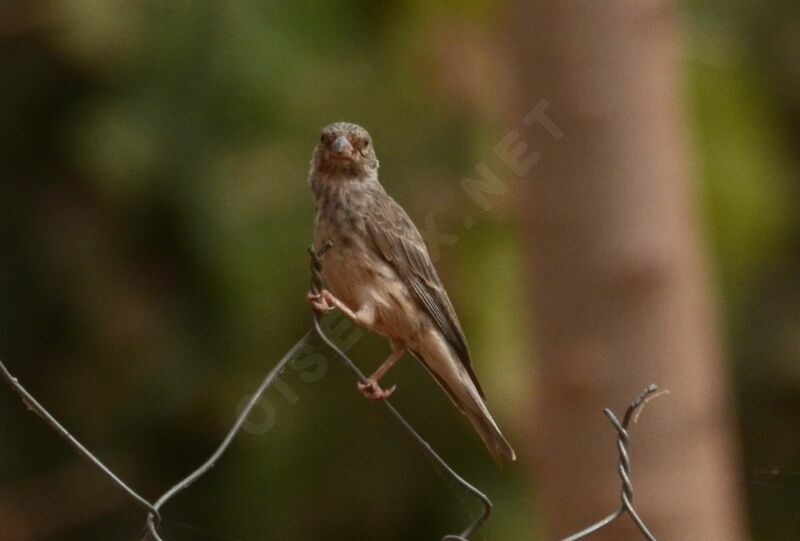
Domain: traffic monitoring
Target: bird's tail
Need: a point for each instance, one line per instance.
(443, 363)
(487, 429)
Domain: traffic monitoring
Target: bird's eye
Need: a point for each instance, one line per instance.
(364, 144)
(322, 138)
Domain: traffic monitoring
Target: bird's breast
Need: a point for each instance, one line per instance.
(359, 276)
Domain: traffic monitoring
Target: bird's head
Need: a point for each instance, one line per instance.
(344, 151)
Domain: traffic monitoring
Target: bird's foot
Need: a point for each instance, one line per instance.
(373, 391)
(319, 302)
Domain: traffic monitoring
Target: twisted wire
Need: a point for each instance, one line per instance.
(624, 470)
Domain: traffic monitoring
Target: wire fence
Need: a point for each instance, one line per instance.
(624, 467)
(153, 508)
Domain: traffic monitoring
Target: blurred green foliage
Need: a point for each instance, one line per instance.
(154, 224)
(744, 90)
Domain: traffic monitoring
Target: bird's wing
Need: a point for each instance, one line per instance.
(401, 245)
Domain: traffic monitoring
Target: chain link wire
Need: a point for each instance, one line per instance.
(624, 467)
(153, 509)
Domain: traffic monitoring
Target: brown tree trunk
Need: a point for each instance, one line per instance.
(620, 285)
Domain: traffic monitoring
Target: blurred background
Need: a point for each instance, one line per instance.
(154, 217)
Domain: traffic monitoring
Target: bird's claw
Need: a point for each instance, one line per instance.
(373, 391)
(318, 302)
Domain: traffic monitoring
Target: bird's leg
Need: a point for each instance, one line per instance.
(325, 301)
(318, 302)
(371, 388)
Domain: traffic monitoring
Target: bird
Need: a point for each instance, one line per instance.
(378, 272)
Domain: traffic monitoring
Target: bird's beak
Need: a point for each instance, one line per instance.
(342, 146)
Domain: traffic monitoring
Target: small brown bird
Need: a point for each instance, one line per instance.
(381, 276)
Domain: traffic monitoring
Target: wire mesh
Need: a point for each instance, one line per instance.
(153, 508)
(624, 468)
